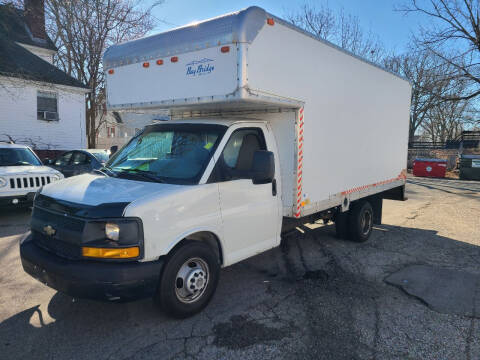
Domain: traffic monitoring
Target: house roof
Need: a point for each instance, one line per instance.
(12, 24)
(16, 61)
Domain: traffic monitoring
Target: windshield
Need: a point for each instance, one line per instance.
(172, 153)
(101, 156)
(18, 157)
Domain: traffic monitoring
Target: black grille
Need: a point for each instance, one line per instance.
(67, 238)
(29, 182)
(58, 247)
(62, 221)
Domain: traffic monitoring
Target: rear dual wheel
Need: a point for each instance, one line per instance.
(357, 223)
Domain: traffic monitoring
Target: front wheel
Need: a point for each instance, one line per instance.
(189, 280)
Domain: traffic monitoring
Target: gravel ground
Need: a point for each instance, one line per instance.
(315, 297)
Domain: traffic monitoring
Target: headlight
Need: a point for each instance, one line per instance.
(112, 231)
(119, 238)
(3, 182)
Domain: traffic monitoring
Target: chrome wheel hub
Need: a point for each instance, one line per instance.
(192, 280)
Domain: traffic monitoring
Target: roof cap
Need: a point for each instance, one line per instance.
(239, 26)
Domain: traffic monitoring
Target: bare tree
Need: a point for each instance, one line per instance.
(82, 30)
(419, 67)
(340, 28)
(445, 121)
(435, 84)
(321, 21)
(453, 35)
(448, 118)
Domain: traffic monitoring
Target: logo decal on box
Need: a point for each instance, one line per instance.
(200, 67)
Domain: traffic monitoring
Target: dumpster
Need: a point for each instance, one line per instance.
(430, 167)
(469, 167)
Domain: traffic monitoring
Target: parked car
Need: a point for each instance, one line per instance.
(78, 162)
(21, 175)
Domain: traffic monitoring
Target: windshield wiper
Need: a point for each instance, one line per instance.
(149, 175)
(105, 170)
(100, 172)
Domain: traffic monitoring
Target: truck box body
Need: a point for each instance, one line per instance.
(340, 122)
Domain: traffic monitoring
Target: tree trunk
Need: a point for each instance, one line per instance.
(411, 133)
(90, 120)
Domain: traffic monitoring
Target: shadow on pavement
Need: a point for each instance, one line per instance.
(304, 289)
(443, 184)
(14, 221)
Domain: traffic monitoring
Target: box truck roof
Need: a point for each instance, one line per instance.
(240, 26)
(236, 27)
(242, 61)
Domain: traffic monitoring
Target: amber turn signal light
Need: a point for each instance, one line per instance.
(159, 62)
(225, 49)
(111, 253)
(270, 21)
(111, 71)
(146, 64)
(174, 59)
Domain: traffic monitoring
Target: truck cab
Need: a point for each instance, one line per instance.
(207, 185)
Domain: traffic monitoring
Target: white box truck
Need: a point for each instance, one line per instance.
(270, 128)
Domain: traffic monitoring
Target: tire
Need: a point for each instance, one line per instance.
(360, 221)
(341, 225)
(193, 263)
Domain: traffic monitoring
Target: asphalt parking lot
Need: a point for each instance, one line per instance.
(411, 292)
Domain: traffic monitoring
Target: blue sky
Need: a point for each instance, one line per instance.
(393, 28)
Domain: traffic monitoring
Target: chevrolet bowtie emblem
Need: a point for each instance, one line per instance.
(50, 231)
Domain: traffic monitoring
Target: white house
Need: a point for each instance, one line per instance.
(116, 129)
(40, 105)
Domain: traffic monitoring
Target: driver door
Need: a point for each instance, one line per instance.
(250, 212)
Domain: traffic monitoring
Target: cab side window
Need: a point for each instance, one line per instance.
(64, 159)
(237, 156)
(80, 158)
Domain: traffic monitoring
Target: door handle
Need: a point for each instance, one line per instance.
(274, 187)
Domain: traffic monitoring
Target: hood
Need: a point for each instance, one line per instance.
(26, 170)
(93, 190)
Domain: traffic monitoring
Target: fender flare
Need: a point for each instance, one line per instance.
(193, 231)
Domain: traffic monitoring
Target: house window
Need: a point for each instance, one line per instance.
(111, 132)
(47, 106)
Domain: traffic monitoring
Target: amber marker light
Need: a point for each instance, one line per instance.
(111, 253)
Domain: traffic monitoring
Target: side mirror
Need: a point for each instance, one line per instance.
(48, 161)
(263, 167)
(113, 149)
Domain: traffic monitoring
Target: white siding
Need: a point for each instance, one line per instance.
(18, 116)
